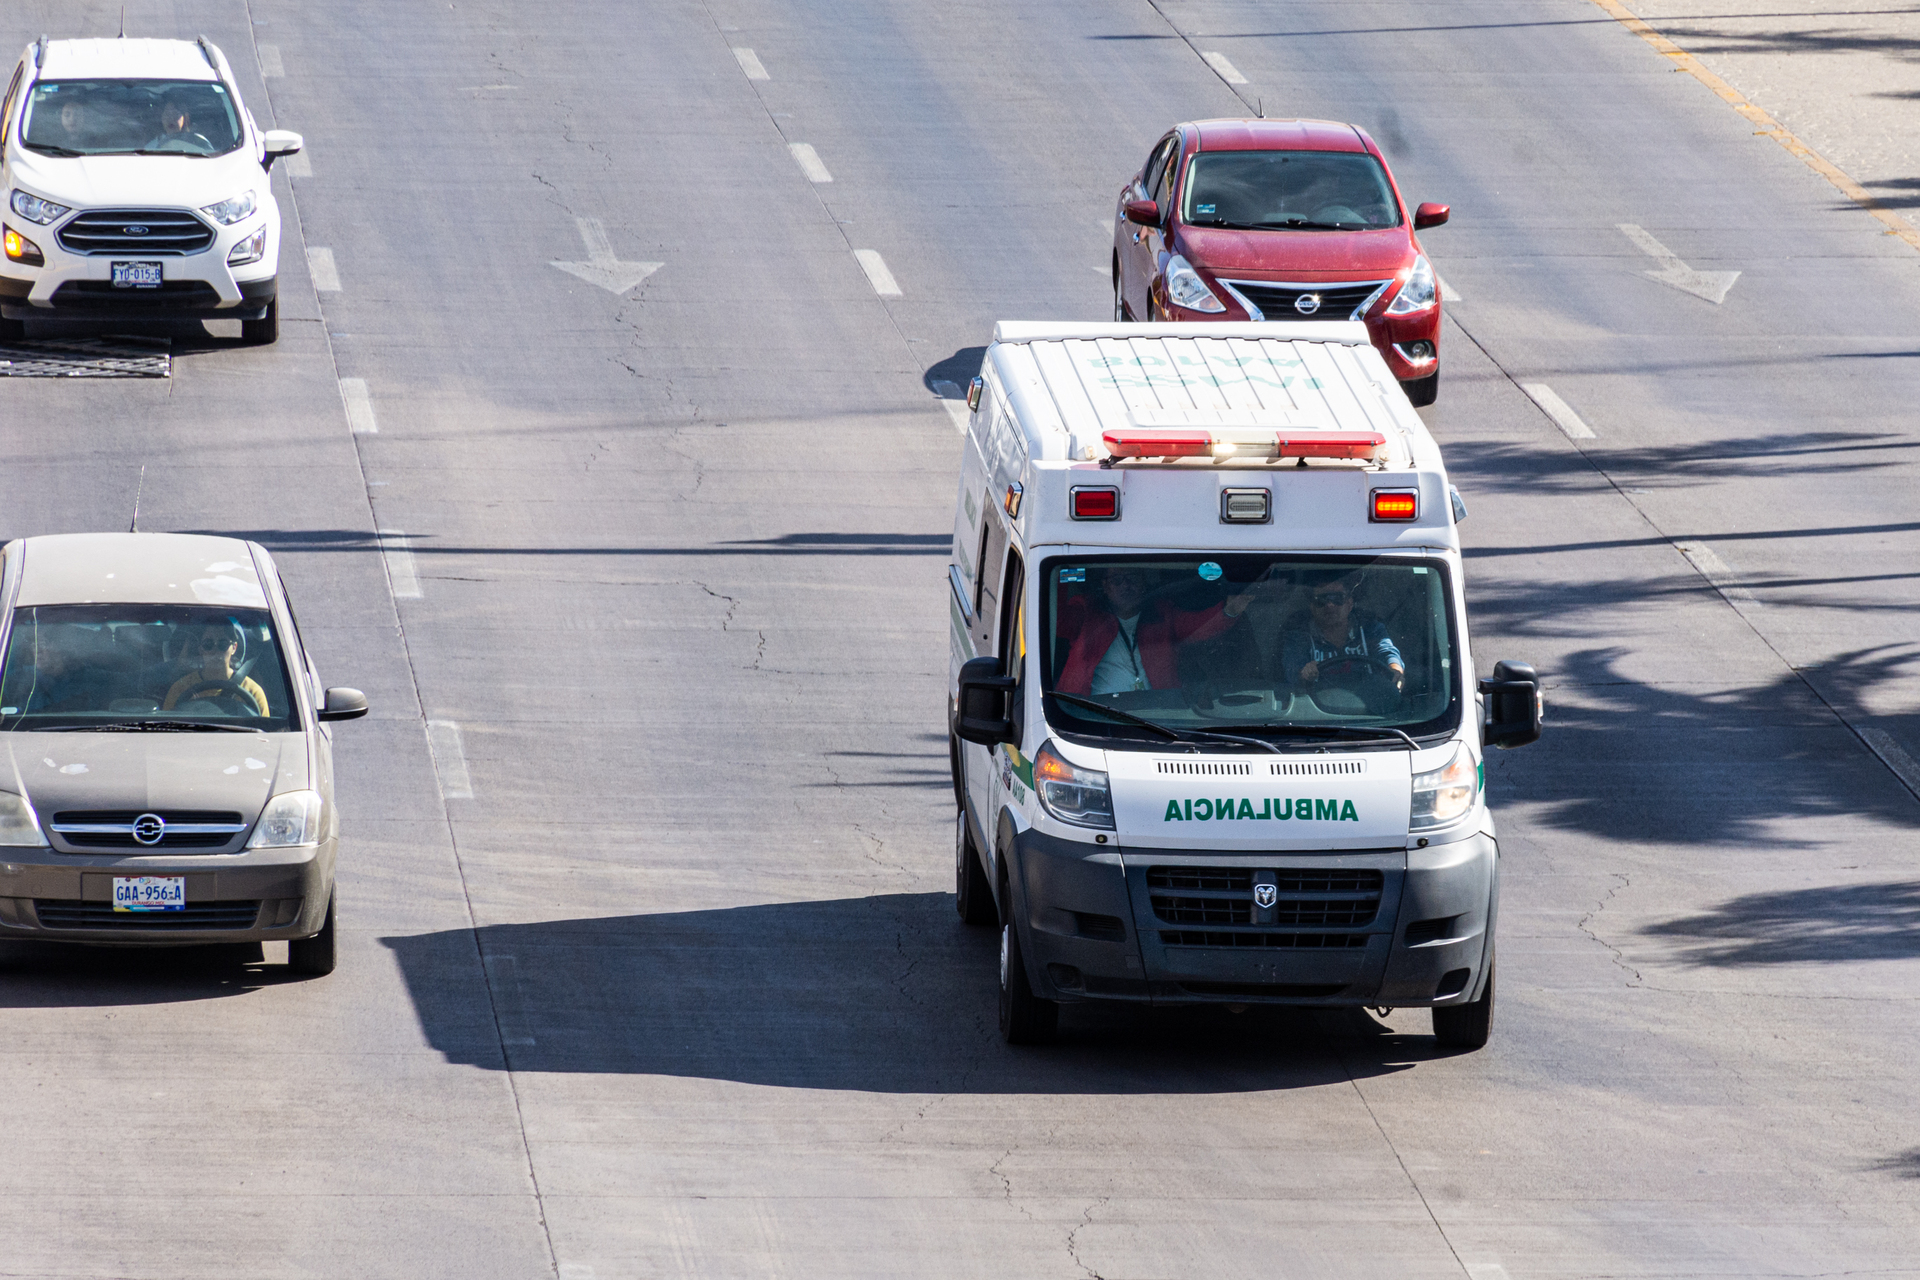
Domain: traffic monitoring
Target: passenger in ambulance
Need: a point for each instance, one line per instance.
(1124, 641)
(1339, 646)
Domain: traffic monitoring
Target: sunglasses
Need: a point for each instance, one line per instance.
(1331, 600)
(214, 646)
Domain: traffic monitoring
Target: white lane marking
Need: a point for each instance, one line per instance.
(1894, 756)
(320, 265)
(750, 63)
(576, 1271)
(402, 579)
(360, 419)
(1447, 292)
(450, 762)
(270, 64)
(809, 161)
(1562, 414)
(601, 267)
(1228, 72)
(1718, 572)
(955, 405)
(1711, 285)
(877, 274)
(1486, 1271)
(297, 165)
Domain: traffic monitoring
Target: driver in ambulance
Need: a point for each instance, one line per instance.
(216, 649)
(1335, 638)
(1131, 643)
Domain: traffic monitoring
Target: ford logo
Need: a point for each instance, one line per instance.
(149, 827)
(1307, 303)
(133, 231)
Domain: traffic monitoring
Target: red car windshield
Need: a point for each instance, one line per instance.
(1289, 191)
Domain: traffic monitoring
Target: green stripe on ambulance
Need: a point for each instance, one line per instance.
(1227, 808)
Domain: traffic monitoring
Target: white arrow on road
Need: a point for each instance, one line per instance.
(601, 267)
(1711, 285)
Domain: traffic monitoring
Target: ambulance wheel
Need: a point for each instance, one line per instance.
(1024, 1017)
(265, 331)
(1422, 391)
(972, 893)
(1466, 1026)
(315, 955)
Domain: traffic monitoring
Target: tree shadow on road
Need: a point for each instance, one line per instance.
(1830, 923)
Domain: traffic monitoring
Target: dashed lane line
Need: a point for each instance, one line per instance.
(360, 419)
(1447, 292)
(1559, 410)
(750, 63)
(954, 403)
(270, 63)
(450, 762)
(297, 165)
(320, 265)
(809, 161)
(877, 274)
(1226, 70)
(403, 580)
(1717, 571)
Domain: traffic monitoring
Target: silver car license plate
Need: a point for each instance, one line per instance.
(136, 275)
(149, 893)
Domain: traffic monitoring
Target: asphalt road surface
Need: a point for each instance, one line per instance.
(649, 961)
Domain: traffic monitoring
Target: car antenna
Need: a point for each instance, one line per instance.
(123, 22)
(133, 525)
(1259, 104)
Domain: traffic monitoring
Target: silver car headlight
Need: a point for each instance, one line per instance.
(1187, 289)
(1418, 293)
(1070, 793)
(252, 249)
(1445, 794)
(34, 209)
(228, 212)
(291, 819)
(19, 828)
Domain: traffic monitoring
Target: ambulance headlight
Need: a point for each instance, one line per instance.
(1446, 794)
(1070, 793)
(1187, 289)
(1418, 293)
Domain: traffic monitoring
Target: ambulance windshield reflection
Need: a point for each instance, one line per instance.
(1245, 643)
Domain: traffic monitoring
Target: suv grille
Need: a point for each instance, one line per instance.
(101, 915)
(1280, 301)
(169, 232)
(1303, 899)
(113, 828)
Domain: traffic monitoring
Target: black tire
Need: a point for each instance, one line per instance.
(1024, 1017)
(957, 769)
(1120, 315)
(1422, 391)
(265, 331)
(314, 956)
(972, 892)
(1466, 1026)
(13, 330)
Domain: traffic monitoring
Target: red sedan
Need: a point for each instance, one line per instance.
(1280, 220)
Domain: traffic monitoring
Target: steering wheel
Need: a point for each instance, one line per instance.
(1368, 679)
(185, 143)
(223, 691)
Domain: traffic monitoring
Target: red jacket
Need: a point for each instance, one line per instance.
(1160, 630)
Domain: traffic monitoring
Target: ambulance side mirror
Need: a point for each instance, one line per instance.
(1514, 706)
(983, 715)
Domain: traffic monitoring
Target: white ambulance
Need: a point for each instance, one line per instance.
(1214, 727)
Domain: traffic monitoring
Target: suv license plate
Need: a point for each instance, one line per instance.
(149, 893)
(136, 275)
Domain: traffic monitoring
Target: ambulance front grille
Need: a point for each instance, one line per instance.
(1316, 768)
(1308, 898)
(1271, 941)
(1235, 768)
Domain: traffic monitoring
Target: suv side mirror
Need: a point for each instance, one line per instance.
(1144, 213)
(983, 715)
(1430, 215)
(343, 704)
(279, 142)
(1514, 706)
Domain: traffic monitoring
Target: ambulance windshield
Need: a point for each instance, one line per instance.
(1245, 643)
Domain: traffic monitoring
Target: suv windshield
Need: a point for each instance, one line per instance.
(122, 117)
(1295, 646)
(101, 666)
(1278, 190)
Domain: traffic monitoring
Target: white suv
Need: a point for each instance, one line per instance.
(136, 188)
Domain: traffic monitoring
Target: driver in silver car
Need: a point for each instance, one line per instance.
(216, 649)
(1336, 643)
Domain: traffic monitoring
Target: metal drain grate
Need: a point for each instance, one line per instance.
(87, 358)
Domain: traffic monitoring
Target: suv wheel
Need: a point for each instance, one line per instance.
(315, 955)
(1422, 391)
(1466, 1026)
(1024, 1017)
(266, 330)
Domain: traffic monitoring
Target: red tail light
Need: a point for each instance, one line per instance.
(1395, 504)
(1096, 504)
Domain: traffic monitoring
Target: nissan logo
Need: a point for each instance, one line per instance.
(1307, 303)
(148, 828)
(133, 231)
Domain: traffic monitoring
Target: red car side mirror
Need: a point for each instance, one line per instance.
(1430, 215)
(1146, 213)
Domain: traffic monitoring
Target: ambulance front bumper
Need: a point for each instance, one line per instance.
(1392, 927)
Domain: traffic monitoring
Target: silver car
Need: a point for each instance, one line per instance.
(167, 775)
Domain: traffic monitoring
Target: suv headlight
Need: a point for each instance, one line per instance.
(252, 249)
(18, 827)
(1187, 289)
(228, 212)
(1070, 793)
(290, 819)
(1445, 794)
(1418, 293)
(34, 209)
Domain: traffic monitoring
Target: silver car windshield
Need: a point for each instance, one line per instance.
(130, 117)
(130, 666)
(1251, 644)
(1289, 190)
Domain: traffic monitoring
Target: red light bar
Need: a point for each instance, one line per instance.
(1096, 504)
(1395, 504)
(1161, 442)
(1151, 442)
(1334, 444)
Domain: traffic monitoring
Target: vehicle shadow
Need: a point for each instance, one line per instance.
(1825, 923)
(66, 975)
(887, 993)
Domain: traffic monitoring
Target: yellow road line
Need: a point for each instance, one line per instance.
(1768, 126)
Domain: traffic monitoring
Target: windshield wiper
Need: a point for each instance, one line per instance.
(1336, 730)
(1175, 735)
(48, 149)
(1301, 224)
(149, 726)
